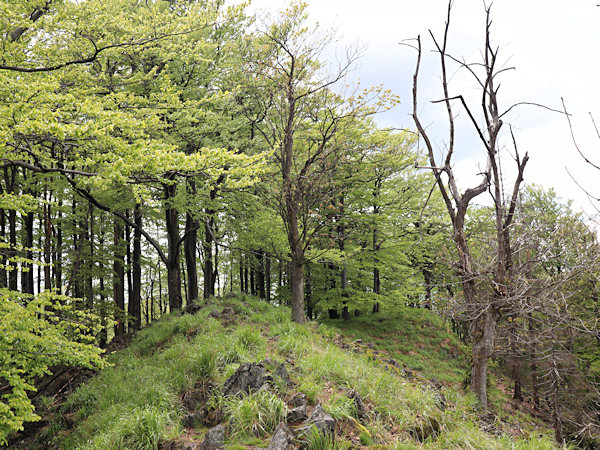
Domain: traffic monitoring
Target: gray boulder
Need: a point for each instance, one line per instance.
(248, 377)
(321, 420)
(214, 439)
(282, 438)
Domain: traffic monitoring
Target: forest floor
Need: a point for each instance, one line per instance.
(389, 381)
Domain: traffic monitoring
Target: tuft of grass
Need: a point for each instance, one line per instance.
(141, 428)
(340, 407)
(256, 414)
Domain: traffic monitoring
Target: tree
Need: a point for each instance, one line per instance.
(304, 122)
(483, 308)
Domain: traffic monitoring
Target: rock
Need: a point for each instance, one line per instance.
(282, 373)
(227, 312)
(299, 400)
(371, 346)
(214, 439)
(214, 314)
(360, 407)
(231, 294)
(248, 377)
(321, 420)
(359, 341)
(192, 308)
(282, 438)
(298, 414)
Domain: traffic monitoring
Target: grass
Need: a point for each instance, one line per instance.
(415, 337)
(136, 403)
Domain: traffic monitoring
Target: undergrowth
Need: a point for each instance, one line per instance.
(137, 402)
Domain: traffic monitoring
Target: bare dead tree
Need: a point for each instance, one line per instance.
(483, 307)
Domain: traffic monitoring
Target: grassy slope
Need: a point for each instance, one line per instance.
(137, 403)
(413, 336)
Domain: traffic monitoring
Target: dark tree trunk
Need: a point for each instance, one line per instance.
(27, 278)
(252, 272)
(172, 263)
(297, 289)
(58, 249)
(261, 273)
(3, 261)
(136, 297)
(189, 250)
(119, 276)
(89, 275)
(209, 276)
(242, 286)
(47, 218)
(103, 338)
(246, 275)
(308, 297)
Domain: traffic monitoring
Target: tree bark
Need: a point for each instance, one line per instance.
(136, 292)
(172, 263)
(189, 250)
(119, 276)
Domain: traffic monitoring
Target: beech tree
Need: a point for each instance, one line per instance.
(304, 123)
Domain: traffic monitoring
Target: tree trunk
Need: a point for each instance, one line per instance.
(261, 273)
(172, 263)
(209, 276)
(297, 289)
(136, 291)
(483, 332)
(27, 278)
(189, 250)
(119, 276)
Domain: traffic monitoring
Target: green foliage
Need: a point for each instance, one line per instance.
(35, 334)
(257, 413)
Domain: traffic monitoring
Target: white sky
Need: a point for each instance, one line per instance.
(554, 45)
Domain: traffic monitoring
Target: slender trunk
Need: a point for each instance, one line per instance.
(13, 279)
(173, 268)
(252, 273)
(242, 287)
(3, 261)
(47, 246)
(136, 297)
(483, 331)
(128, 273)
(246, 275)
(58, 249)
(209, 278)
(119, 277)
(297, 289)
(103, 338)
(189, 250)
(89, 276)
(308, 297)
(27, 278)
(261, 273)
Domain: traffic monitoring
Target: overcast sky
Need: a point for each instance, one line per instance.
(553, 44)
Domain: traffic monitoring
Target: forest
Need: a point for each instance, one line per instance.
(158, 155)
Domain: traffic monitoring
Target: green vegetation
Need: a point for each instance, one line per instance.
(138, 401)
(415, 337)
